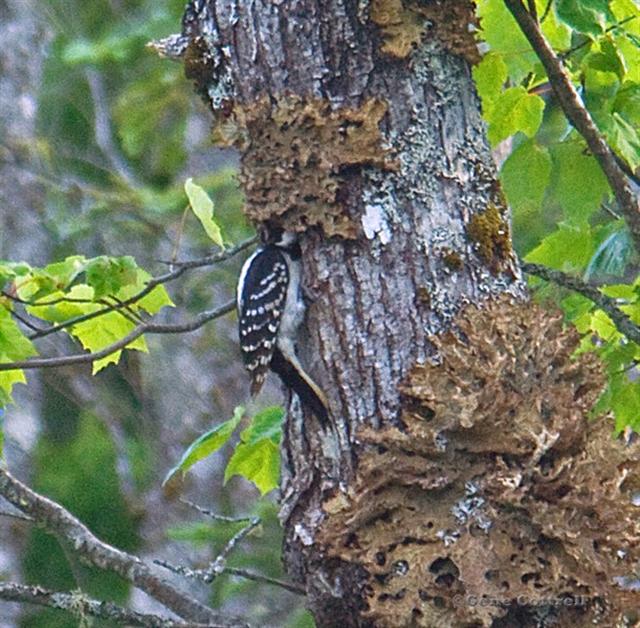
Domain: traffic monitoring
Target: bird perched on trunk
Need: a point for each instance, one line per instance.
(270, 311)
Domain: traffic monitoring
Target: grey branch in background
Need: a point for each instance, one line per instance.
(57, 520)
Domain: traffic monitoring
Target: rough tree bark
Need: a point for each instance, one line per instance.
(461, 467)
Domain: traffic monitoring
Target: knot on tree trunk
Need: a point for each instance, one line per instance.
(497, 492)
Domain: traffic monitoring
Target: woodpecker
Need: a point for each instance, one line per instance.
(270, 311)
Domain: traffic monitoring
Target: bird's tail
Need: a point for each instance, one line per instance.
(294, 376)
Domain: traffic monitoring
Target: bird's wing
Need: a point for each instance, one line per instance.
(262, 292)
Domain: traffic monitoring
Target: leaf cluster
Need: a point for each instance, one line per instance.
(565, 215)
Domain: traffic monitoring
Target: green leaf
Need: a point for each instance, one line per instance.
(100, 332)
(61, 311)
(267, 424)
(578, 183)
(608, 59)
(515, 110)
(613, 254)
(258, 462)
(13, 347)
(626, 140)
(1, 433)
(570, 247)
(107, 275)
(576, 306)
(153, 302)
(205, 445)
(625, 401)
(501, 32)
(202, 207)
(627, 103)
(490, 76)
(257, 457)
(585, 16)
(525, 175)
(65, 273)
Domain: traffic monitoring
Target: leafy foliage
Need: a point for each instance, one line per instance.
(257, 455)
(564, 212)
(207, 444)
(66, 293)
(202, 207)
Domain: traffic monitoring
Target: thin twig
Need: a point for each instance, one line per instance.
(103, 130)
(567, 53)
(27, 323)
(213, 515)
(545, 13)
(579, 117)
(220, 562)
(135, 333)
(77, 604)
(608, 305)
(198, 574)
(258, 577)
(533, 9)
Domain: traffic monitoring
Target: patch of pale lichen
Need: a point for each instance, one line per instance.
(298, 154)
(496, 487)
(403, 23)
(490, 231)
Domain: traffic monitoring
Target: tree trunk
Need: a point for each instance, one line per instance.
(460, 429)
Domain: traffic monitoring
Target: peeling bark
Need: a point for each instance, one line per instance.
(428, 235)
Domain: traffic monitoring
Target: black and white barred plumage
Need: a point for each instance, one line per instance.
(270, 310)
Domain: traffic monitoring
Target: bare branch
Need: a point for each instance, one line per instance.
(78, 604)
(213, 515)
(608, 305)
(580, 118)
(143, 328)
(258, 577)
(200, 574)
(219, 564)
(103, 130)
(93, 551)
